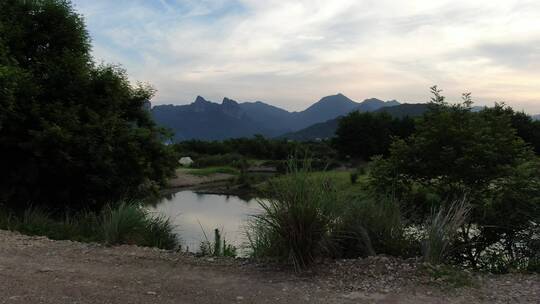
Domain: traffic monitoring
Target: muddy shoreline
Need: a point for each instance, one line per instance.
(219, 184)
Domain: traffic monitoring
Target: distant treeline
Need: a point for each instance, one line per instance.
(257, 147)
(364, 135)
(360, 136)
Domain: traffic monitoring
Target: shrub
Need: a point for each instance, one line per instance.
(296, 219)
(370, 226)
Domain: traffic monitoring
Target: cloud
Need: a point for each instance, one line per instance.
(291, 53)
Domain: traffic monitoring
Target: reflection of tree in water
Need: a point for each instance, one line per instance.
(156, 199)
(246, 197)
(200, 196)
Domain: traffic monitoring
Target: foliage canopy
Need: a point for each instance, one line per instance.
(72, 134)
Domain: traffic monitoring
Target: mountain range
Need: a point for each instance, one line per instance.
(207, 120)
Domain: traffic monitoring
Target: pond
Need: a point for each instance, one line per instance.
(192, 212)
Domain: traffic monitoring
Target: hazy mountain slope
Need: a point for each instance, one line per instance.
(536, 117)
(327, 108)
(320, 130)
(328, 128)
(374, 104)
(270, 117)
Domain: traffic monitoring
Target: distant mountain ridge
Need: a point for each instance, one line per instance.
(207, 120)
(328, 128)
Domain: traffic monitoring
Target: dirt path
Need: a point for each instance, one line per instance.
(38, 270)
(184, 179)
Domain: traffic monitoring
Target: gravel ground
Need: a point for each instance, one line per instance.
(38, 270)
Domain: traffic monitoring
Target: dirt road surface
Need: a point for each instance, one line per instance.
(38, 270)
(183, 179)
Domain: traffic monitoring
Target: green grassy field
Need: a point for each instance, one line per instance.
(341, 180)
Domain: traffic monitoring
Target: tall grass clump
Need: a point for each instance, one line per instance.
(123, 223)
(441, 230)
(297, 217)
(129, 223)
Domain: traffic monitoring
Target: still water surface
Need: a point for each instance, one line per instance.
(189, 211)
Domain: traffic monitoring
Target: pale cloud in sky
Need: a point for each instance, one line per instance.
(291, 53)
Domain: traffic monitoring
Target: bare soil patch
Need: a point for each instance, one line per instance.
(38, 270)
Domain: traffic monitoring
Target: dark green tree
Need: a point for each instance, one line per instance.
(526, 128)
(72, 134)
(364, 135)
(457, 152)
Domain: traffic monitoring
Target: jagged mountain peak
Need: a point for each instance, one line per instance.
(200, 99)
(229, 102)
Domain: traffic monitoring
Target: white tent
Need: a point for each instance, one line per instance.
(186, 161)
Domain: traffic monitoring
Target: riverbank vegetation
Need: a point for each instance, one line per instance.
(122, 223)
(463, 189)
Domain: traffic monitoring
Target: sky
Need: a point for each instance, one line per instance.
(291, 53)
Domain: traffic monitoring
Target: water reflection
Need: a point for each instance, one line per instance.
(189, 211)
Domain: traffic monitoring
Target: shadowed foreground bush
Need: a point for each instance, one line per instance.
(127, 223)
(370, 226)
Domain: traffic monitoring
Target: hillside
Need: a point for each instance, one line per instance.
(207, 120)
(322, 130)
(328, 128)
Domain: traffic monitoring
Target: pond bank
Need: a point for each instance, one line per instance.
(184, 179)
(214, 183)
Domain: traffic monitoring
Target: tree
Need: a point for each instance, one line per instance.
(456, 152)
(72, 134)
(363, 135)
(526, 127)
